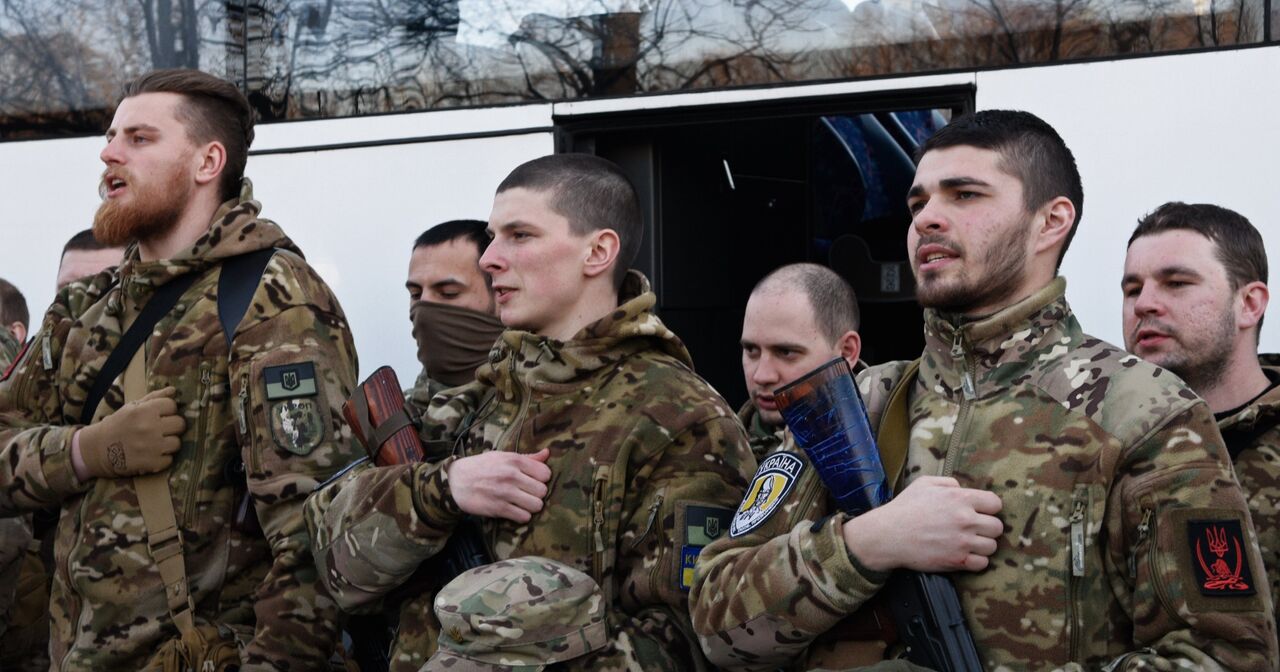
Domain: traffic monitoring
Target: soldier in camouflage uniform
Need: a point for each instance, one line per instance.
(586, 439)
(1081, 497)
(249, 428)
(15, 533)
(451, 307)
(798, 318)
(1195, 292)
(14, 319)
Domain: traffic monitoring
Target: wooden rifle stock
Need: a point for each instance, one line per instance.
(377, 417)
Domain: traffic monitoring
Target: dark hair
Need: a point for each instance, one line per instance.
(1029, 150)
(835, 308)
(468, 229)
(592, 193)
(13, 305)
(215, 110)
(84, 241)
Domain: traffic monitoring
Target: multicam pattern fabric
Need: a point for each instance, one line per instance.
(526, 611)
(637, 440)
(108, 607)
(764, 438)
(1255, 432)
(1076, 437)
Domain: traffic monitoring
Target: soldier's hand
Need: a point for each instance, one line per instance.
(933, 525)
(140, 438)
(500, 485)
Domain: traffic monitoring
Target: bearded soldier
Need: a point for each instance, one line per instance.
(586, 440)
(206, 564)
(1066, 485)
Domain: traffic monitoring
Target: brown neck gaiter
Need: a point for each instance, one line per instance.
(452, 341)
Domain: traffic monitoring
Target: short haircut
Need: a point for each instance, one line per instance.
(835, 308)
(215, 110)
(84, 241)
(444, 232)
(1239, 245)
(1029, 150)
(592, 193)
(13, 305)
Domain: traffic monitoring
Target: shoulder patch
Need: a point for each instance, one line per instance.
(769, 488)
(1219, 559)
(290, 381)
(702, 524)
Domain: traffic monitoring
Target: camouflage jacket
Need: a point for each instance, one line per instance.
(1253, 437)
(1115, 485)
(647, 462)
(264, 416)
(764, 438)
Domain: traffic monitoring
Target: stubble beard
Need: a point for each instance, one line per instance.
(1202, 366)
(1003, 267)
(153, 212)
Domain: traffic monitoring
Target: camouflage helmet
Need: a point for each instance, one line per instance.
(518, 615)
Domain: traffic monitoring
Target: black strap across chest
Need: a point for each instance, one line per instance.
(238, 279)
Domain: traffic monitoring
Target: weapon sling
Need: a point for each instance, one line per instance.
(894, 433)
(238, 279)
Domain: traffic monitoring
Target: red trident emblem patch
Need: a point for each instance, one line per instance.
(1221, 564)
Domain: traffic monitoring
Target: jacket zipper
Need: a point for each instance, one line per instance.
(206, 378)
(1078, 521)
(597, 523)
(1144, 528)
(653, 515)
(969, 393)
(242, 418)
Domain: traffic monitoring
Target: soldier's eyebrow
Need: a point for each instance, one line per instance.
(446, 281)
(1164, 273)
(130, 130)
(918, 190)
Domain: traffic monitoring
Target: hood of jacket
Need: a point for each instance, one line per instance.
(547, 364)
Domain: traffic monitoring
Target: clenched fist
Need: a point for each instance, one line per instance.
(497, 484)
(140, 438)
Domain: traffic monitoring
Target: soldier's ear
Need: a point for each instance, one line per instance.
(1251, 304)
(1052, 224)
(850, 346)
(602, 252)
(212, 157)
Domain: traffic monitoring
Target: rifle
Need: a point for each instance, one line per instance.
(379, 421)
(829, 421)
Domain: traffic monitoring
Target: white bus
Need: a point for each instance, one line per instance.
(750, 148)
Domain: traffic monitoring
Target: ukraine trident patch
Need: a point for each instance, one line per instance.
(1221, 564)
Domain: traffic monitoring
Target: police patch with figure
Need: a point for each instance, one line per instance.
(297, 419)
(769, 488)
(1219, 559)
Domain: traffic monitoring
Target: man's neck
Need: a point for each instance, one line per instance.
(597, 302)
(192, 224)
(1243, 381)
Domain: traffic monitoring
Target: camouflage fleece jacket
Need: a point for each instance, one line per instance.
(647, 463)
(1253, 436)
(268, 410)
(764, 438)
(1127, 540)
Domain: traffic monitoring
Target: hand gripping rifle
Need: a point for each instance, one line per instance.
(826, 416)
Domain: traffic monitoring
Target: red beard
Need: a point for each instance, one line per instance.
(153, 210)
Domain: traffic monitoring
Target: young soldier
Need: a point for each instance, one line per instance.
(451, 306)
(798, 318)
(1195, 291)
(233, 428)
(586, 439)
(1067, 486)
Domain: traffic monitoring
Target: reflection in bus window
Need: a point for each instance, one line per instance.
(61, 61)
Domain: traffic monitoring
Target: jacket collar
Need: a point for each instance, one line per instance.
(975, 357)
